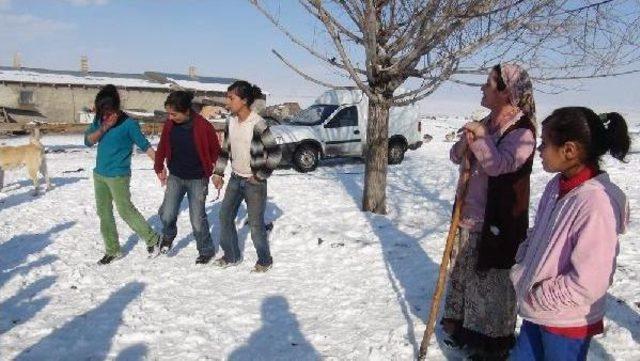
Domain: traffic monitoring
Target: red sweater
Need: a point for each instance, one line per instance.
(205, 140)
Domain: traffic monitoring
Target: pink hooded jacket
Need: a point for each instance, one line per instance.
(566, 264)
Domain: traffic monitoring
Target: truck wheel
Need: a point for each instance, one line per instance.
(305, 159)
(396, 152)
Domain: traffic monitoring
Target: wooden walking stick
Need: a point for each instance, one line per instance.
(463, 185)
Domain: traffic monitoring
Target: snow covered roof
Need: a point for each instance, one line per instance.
(148, 80)
(202, 83)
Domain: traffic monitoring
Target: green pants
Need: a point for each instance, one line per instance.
(111, 190)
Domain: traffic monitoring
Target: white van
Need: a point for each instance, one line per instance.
(336, 126)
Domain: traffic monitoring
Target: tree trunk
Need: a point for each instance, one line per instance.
(375, 171)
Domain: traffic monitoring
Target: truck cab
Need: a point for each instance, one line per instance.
(335, 126)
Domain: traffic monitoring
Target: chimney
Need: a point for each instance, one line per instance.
(17, 61)
(84, 64)
(192, 72)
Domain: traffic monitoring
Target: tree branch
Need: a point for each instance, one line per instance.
(341, 28)
(304, 75)
(343, 54)
(297, 41)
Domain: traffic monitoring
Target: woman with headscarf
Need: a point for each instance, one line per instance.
(480, 307)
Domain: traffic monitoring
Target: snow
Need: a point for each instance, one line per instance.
(346, 285)
(26, 76)
(196, 85)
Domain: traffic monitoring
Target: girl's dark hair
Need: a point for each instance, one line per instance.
(501, 84)
(107, 99)
(245, 91)
(179, 100)
(596, 134)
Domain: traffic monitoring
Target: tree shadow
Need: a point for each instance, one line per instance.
(87, 336)
(13, 255)
(333, 162)
(14, 252)
(279, 338)
(16, 199)
(24, 269)
(133, 353)
(411, 272)
(25, 304)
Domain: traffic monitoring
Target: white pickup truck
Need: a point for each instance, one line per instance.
(336, 126)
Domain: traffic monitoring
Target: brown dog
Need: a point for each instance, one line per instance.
(30, 156)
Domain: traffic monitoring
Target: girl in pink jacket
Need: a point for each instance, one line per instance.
(565, 266)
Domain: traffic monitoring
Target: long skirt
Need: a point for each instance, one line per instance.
(483, 303)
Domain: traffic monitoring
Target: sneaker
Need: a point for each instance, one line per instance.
(203, 259)
(260, 268)
(223, 263)
(165, 245)
(154, 251)
(109, 258)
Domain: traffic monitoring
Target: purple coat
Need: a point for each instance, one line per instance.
(491, 160)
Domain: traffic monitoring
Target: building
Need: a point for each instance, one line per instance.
(56, 96)
(282, 111)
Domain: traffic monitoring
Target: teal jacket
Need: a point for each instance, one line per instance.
(116, 146)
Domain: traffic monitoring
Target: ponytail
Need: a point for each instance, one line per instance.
(596, 134)
(256, 92)
(246, 91)
(617, 135)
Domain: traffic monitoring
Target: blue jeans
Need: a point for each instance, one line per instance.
(535, 343)
(196, 191)
(255, 195)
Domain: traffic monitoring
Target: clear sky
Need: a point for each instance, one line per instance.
(227, 38)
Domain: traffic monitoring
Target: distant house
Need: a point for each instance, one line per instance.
(57, 96)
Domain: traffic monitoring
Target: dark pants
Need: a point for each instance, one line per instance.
(196, 191)
(536, 344)
(255, 195)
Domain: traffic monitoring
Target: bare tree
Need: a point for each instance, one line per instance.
(383, 44)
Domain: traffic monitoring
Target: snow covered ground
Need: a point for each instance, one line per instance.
(346, 285)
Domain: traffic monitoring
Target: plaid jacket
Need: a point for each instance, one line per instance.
(265, 152)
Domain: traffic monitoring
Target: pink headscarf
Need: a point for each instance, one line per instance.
(519, 87)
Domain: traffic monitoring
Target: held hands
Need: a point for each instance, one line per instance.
(162, 176)
(217, 181)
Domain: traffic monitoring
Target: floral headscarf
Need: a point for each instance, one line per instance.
(520, 88)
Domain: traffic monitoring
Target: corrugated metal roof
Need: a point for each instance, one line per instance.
(150, 80)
